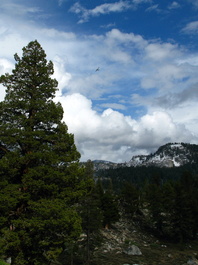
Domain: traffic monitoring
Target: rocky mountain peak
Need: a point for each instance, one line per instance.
(169, 155)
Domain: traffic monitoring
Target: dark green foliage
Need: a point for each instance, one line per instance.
(184, 215)
(91, 215)
(154, 200)
(173, 207)
(3, 263)
(40, 177)
(141, 175)
(181, 216)
(109, 205)
(129, 199)
(168, 197)
(110, 209)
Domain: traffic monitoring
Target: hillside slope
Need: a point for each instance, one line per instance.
(169, 155)
(153, 251)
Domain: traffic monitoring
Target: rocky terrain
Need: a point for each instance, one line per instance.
(169, 155)
(127, 244)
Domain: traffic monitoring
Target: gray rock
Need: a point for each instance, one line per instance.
(132, 250)
(192, 261)
(129, 264)
(8, 260)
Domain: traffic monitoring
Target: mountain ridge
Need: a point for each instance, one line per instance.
(168, 155)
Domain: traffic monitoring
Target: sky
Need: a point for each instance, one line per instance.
(127, 69)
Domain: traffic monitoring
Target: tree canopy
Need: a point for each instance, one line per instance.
(40, 177)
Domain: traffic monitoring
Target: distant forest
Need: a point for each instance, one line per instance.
(139, 176)
(165, 200)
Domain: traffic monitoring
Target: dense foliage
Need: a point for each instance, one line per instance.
(40, 177)
(167, 198)
(173, 207)
(141, 175)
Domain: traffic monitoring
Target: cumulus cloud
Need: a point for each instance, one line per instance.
(161, 51)
(60, 72)
(169, 101)
(159, 78)
(166, 68)
(113, 136)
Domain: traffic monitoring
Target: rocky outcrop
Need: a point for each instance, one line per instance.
(192, 261)
(127, 244)
(132, 250)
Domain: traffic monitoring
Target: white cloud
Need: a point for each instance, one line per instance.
(166, 67)
(120, 37)
(164, 78)
(191, 28)
(138, 2)
(15, 9)
(153, 8)
(120, 6)
(103, 9)
(161, 51)
(159, 127)
(113, 136)
(60, 73)
(174, 5)
(128, 62)
(5, 67)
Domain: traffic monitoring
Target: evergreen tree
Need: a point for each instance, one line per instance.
(155, 206)
(184, 215)
(91, 213)
(40, 177)
(129, 198)
(168, 201)
(181, 217)
(109, 206)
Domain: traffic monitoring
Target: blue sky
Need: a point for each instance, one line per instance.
(146, 90)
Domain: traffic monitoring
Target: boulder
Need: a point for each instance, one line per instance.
(192, 261)
(8, 260)
(132, 250)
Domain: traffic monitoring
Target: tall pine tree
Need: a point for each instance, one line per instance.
(91, 214)
(40, 177)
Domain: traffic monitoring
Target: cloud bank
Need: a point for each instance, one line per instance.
(144, 95)
(111, 135)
